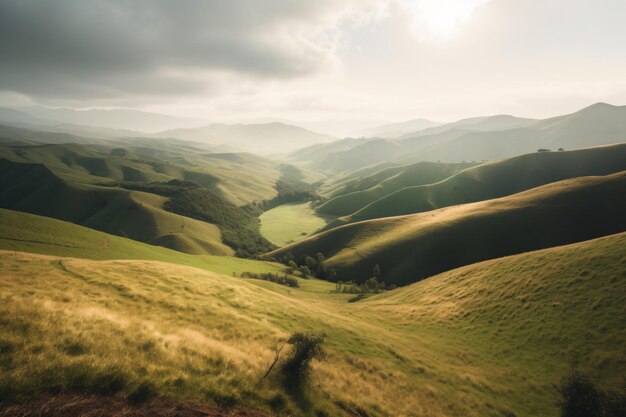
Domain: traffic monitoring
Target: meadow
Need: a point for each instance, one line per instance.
(469, 342)
(290, 223)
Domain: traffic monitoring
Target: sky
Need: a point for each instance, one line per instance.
(383, 60)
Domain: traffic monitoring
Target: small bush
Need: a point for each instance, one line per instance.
(224, 400)
(109, 381)
(278, 402)
(580, 397)
(306, 346)
(143, 392)
(275, 278)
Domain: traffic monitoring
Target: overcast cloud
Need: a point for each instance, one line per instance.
(322, 59)
(83, 48)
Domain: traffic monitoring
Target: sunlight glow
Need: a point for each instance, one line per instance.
(440, 19)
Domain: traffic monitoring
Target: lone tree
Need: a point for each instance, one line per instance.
(306, 346)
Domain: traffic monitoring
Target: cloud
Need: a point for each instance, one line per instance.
(84, 49)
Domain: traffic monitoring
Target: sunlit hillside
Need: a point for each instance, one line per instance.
(485, 340)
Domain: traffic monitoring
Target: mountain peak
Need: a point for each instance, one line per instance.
(600, 106)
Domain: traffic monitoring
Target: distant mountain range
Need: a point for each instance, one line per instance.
(394, 130)
(261, 138)
(124, 119)
(267, 138)
(475, 139)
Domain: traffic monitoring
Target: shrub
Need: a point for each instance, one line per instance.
(580, 397)
(143, 392)
(275, 278)
(278, 402)
(306, 346)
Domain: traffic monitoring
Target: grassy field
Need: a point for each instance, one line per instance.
(495, 179)
(486, 340)
(409, 248)
(31, 233)
(290, 223)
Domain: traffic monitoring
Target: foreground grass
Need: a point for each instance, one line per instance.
(489, 339)
(290, 222)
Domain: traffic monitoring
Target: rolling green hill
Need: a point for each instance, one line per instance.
(494, 180)
(360, 192)
(37, 234)
(239, 178)
(33, 188)
(487, 340)
(410, 248)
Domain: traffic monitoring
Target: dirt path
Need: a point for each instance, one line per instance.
(102, 406)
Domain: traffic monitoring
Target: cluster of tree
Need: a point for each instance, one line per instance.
(549, 150)
(316, 267)
(239, 229)
(371, 286)
(291, 189)
(309, 266)
(275, 278)
(580, 397)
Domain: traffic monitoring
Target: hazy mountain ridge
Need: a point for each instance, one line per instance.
(121, 119)
(394, 130)
(485, 138)
(268, 138)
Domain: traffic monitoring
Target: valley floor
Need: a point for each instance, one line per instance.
(290, 223)
(489, 339)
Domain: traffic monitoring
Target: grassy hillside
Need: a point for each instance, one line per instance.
(31, 233)
(137, 215)
(410, 248)
(239, 178)
(496, 179)
(358, 193)
(487, 340)
(290, 222)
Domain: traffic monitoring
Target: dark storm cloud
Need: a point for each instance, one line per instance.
(91, 48)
